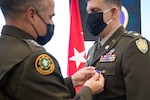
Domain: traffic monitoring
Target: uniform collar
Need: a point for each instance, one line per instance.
(110, 43)
(15, 32)
(103, 40)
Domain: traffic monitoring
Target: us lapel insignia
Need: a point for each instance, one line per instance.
(44, 64)
(142, 45)
(112, 50)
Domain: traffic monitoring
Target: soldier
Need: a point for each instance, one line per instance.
(123, 57)
(27, 71)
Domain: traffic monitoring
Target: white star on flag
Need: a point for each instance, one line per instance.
(76, 49)
(78, 57)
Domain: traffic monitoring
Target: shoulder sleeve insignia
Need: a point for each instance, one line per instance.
(44, 64)
(142, 45)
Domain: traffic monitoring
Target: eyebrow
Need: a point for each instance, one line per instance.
(96, 8)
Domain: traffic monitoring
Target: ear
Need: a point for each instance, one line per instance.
(31, 14)
(115, 12)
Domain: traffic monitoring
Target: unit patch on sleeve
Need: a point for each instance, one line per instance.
(44, 64)
(142, 45)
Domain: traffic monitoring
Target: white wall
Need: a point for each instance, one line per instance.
(2, 21)
(58, 46)
(145, 15)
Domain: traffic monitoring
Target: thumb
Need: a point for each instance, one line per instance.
(96, 76)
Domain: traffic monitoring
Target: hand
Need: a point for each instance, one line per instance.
(96, 83)
(79, 78)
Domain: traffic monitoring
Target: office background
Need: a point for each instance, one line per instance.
(58, 46)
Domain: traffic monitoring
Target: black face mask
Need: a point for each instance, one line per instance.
(42, 40)
(95, 23)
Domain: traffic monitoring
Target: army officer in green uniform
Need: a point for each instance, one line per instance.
(27, 71)
(123, 57)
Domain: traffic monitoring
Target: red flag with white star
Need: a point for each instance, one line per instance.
(76, 52)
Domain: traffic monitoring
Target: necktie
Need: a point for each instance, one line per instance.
(98, 46)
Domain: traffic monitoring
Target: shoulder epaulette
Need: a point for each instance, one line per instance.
(34, 46)
(133, 34)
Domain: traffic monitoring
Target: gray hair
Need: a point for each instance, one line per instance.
(13, 8)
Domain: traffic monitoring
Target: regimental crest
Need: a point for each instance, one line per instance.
(142, 45)
(44, 64)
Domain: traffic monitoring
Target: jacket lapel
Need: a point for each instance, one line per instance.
(111, 42)
(90, 55)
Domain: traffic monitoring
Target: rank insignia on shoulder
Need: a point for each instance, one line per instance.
(142, 45)
(35, 43)
(44, 64)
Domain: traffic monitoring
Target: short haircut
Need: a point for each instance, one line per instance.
(117, 3)
(13, 8)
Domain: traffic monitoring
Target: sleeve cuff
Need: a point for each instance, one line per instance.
(70, 87)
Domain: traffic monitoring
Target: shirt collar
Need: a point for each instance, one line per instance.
(16, 32)
(103, 40)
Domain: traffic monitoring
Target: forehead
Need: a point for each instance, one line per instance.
(49, 5)
(96, 4)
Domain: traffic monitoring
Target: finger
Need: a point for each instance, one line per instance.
(90, 68)
(96, 76)
(101, 78)
(90, 72)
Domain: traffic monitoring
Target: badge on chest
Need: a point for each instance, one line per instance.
(108, 57)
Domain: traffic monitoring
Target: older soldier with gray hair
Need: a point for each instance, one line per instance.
(27, 70)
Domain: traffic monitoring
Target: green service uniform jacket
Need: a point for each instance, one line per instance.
(124, 60)
(28, 72)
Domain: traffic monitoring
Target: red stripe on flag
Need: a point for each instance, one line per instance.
(76, 52)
